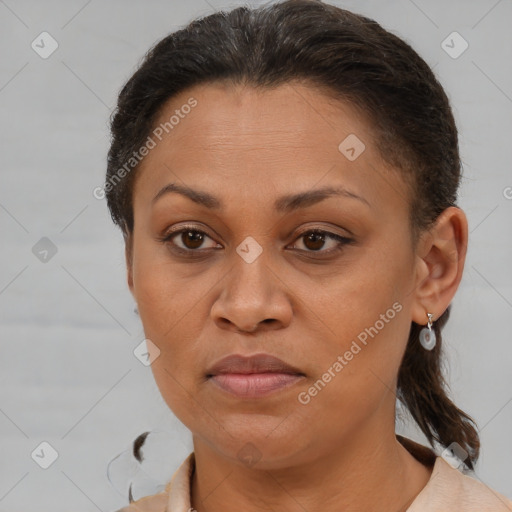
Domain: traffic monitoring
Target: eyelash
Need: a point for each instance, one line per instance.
(342, 241)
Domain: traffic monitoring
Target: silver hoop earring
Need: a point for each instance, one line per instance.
(136, 310)
(427, 335)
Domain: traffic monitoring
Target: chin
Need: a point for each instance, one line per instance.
(256, 442)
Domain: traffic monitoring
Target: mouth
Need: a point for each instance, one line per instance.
(254, 376)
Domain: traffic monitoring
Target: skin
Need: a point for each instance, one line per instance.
(248, 147)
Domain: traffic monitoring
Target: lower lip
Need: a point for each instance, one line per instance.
(254, 384)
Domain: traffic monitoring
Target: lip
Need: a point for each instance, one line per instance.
(257, 363)
(253, 376)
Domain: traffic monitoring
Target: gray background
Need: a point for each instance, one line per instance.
(68, 373)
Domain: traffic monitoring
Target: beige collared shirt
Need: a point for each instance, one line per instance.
(448, 490)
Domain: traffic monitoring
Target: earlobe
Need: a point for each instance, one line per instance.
(441, 256)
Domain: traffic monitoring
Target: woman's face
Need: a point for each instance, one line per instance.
(248, 277)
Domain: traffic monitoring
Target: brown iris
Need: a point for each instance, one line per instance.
(317, 241)
(195, 239)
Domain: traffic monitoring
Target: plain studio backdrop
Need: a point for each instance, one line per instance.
(69, 376)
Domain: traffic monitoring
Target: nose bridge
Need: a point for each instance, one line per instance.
(252, 277)
(251, 293)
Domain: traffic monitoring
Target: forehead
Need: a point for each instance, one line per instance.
(239, 117)
(255, 143)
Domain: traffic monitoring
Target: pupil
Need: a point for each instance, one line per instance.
(317, 239)
(195, 237)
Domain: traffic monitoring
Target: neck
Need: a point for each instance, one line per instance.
(365, 472)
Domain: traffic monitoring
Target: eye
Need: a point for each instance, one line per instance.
(315, 239)
(188, 239)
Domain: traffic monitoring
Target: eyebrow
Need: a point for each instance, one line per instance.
(283, 204)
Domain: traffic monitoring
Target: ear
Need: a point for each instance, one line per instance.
(128, 252)
(441, 253)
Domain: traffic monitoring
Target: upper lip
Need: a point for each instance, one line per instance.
(257, 363)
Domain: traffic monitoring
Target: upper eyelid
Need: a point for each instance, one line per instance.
(170, 234)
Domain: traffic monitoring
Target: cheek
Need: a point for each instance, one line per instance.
(172, 309)
(366, 320)
(161, 295)
(356, 374)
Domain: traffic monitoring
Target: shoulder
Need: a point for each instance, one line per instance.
(449, 489)
(175, 496)
(155, 503)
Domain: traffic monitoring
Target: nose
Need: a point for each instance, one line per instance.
(253, 299)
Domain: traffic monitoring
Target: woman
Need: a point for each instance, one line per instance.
(285, 179)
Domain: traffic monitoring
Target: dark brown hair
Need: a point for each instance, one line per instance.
(356, 60)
